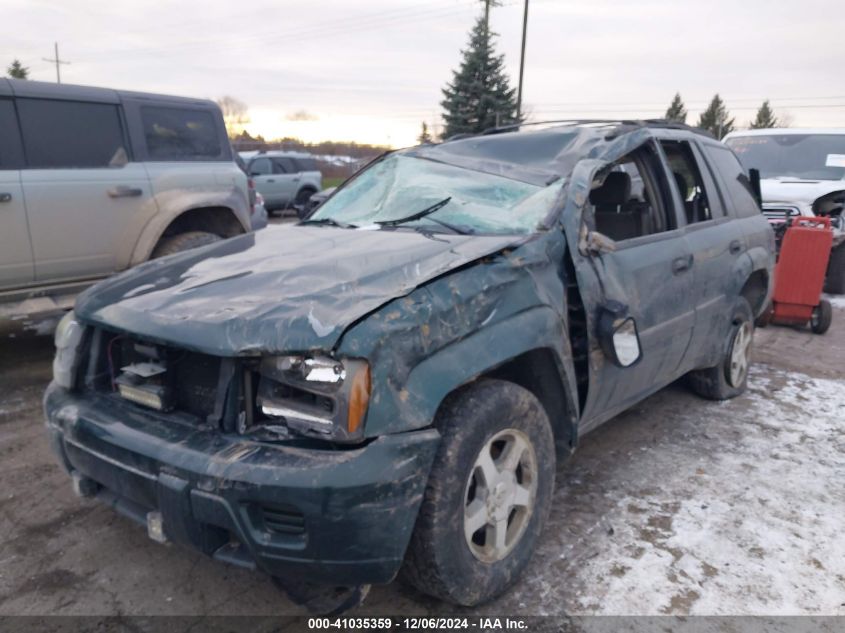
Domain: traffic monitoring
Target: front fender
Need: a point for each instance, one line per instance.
(415, 404)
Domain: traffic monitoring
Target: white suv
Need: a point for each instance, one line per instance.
(802, 173)
(284, 179)
(94, 181)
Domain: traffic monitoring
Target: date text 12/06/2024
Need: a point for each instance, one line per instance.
(419, 623)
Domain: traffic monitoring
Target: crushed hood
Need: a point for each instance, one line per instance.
(283, 289)
(796, 190)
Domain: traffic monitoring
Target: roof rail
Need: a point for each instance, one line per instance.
(655, 123)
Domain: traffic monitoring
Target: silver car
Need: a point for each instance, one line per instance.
(285, 179)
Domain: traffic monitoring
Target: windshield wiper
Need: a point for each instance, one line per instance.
(416, 216)
(330, 222)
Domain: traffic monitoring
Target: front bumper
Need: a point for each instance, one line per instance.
(342, 517)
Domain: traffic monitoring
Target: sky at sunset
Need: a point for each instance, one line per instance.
(372, 70)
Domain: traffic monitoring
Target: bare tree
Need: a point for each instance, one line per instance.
(235, 114)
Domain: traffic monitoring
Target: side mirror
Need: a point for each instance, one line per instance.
(618, 335)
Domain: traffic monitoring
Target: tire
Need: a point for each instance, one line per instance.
(729, 377)
(835, 282)
(484, 418)
(765, 319)
(302, 196)
(183, 242)
(822, 317)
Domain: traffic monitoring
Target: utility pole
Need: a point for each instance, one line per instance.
(57, 61)
(522, 63)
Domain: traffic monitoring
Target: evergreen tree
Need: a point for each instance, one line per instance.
(479, 96)
(716, 119)
(16, 70)
(676, 111)
(765, 117)
(425, 135)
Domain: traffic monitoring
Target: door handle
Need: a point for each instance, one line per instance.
(122, 191)
(735, 247)
(270, 180)
(681, 264)
(296, 179)
(5, 197)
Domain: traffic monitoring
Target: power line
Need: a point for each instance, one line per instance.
(340, 27)
(693, 103)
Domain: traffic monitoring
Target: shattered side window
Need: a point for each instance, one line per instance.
(399, 186)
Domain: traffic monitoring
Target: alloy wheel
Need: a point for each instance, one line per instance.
(739, 355)
(500, 494)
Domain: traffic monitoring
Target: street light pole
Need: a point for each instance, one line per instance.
(522, 63)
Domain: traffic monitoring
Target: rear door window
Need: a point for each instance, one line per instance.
(285, 165)
(180, 134)
(740, 194)
(11, 154)
(697, 192)
(60, 134)
(306, 164)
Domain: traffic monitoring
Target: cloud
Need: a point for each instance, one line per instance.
(302, 115)
(377, 66)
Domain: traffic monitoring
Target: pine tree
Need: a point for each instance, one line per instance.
(715, 119)
(765, 117)
(16, 70)
(425, 135)
(676, 111)
(479, 96)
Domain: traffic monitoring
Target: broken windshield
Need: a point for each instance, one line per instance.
(807, 156)
(399, 186)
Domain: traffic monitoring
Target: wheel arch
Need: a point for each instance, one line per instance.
(537, 358)
(537, 371)
(218, 219)
(756, 291)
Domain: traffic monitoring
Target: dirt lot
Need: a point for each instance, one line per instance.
(677, 506)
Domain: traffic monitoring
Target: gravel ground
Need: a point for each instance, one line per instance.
(678, 506)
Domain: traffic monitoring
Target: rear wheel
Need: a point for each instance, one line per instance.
(302, 196)
(488, 494)
(183, 242)
(822, 317)
(835, 283)
(729, 377)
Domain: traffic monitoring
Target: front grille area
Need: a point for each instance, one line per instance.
(189, 378)
(778, 215)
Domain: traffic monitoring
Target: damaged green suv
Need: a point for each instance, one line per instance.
(388, 385)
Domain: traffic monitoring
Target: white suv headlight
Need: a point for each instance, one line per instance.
(68, 337)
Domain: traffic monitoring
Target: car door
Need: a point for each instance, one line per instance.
(267, 183)
(716, 244)
(287, 173)
(81, 189)
(16, 268)
(647, 268)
